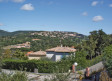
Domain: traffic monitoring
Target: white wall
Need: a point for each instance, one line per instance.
(56, 56)
(59, 56)
(51, 55)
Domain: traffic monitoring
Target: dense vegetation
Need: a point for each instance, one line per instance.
(1, 54)
(108, 59)
(96, 43)
(46, 66)
(18, 76)
(44, 43)
(90, 51)
(42, 66)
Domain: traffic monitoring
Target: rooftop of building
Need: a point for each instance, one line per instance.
(61, 49)
(38, 53)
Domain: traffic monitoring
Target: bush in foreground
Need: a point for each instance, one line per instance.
(18, 76)
(42, 66)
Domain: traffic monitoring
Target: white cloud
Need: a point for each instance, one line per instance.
(94, 3)
(18, 1)
(110, 5)
(1, 24)
(98, 18)
(84, 13)
(27, 7)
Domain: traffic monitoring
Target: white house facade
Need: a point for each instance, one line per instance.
(57, 53)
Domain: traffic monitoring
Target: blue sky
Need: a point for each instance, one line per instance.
(80, 16)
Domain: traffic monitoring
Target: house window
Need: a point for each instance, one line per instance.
(62, 56)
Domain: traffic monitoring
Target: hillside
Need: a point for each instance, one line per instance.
(62, 34)
(40, 40)
(4, 33)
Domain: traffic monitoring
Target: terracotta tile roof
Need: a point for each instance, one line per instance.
(38, 53)
(62, 49)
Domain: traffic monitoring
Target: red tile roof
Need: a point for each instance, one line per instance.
(61, 49)
(38, 53)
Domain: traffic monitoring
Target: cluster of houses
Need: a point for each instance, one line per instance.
(56, 34)
(55, 54)
(23, 45)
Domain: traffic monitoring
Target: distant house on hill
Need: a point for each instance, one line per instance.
(57, 53)
(35, 39)
(36, 55)
(24, 45)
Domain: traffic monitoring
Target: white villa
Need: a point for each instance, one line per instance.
(57, 53)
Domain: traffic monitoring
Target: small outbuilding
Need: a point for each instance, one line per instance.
(36, 55)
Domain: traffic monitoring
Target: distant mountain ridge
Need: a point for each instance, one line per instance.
(6, 33)
(51, 33)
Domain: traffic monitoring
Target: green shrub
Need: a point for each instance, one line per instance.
(45, 59)
(59, 77)
(42, 66)
(18, 76)
(107, 59)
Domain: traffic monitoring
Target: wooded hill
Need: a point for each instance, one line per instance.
(75, 34)
(41, 40)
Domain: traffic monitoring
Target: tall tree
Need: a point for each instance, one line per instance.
(103, 40)
(96, 42)
(1, 57)
(107, 59)
(7, 53)
(19, 54)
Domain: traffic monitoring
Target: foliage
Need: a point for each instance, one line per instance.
(4, 33)
(58, 77)
(46, 42)
(80, 58)
(94, 60)
(18, 76)
(108, 59)
(104, 77)
(45, 59)
(1, 51)
(14, 54)
(19, 55)
(80, 73)
(42, 66)
(96, 43)
(89, 52)
(7, 54)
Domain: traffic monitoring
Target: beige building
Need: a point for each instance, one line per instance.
(36, 55)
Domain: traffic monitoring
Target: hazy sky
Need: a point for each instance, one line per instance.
(80, 16)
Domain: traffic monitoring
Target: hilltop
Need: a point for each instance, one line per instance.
(63, 34)
(40, 40)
